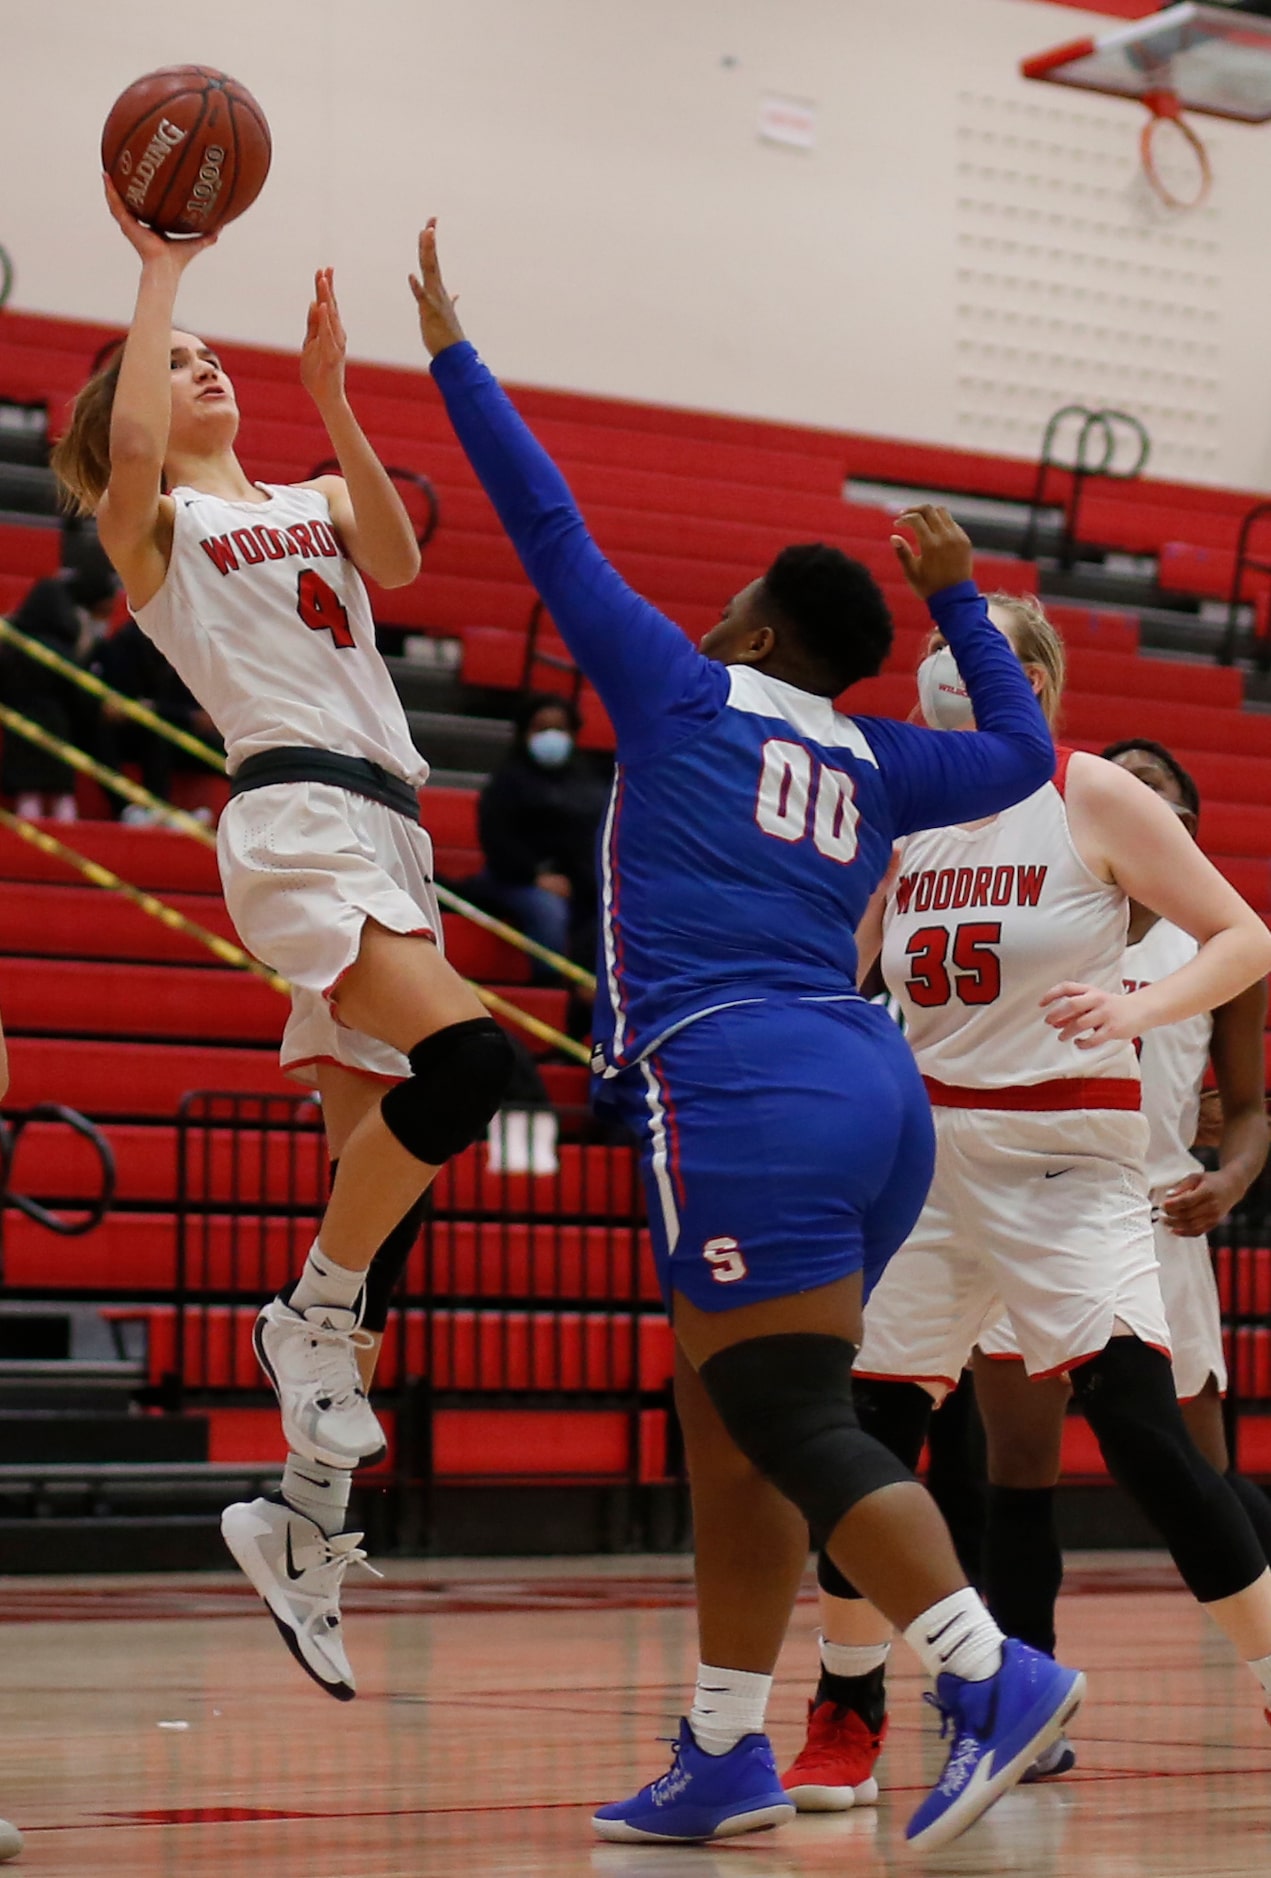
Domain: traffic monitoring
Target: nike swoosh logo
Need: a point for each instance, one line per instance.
(1054, 1173)
(292, 1573)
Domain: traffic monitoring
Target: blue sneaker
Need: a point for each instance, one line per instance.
(703, 1796)
(1000, 1726)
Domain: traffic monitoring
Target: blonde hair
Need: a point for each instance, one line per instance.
(1036, 642)
(81, 458)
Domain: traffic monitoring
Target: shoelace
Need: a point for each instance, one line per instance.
(335, 1370)
(672, 1771)
(947, 1716)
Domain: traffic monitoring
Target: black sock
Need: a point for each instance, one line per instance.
(1256, 1505)
(1023, 1565)
(866, 1695)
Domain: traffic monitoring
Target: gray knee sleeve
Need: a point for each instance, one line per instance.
(787, 1403)
(457, 1080)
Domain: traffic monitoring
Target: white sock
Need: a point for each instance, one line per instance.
(957, 1637)
(852, 1659)
(727, 1704)
(320, 1493)
(1261, 1667)
(324, 1282)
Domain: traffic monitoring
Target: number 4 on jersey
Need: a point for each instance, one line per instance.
(321, 608)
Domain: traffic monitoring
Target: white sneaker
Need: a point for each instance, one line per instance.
(298, 1571)
(311, 1360)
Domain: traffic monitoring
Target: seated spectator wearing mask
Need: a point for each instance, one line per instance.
(538, 820)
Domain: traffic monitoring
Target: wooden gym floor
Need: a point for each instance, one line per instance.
(156, 1725)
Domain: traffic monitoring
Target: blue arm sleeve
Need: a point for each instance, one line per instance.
(652, 680)
(936, 777)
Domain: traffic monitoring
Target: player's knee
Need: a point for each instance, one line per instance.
(787, 1403)
(1127, 1395)
(457, 1081)
(388, 1265)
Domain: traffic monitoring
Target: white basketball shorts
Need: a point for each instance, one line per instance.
(1189, 1291)
(1042, 1216)
(303, 867)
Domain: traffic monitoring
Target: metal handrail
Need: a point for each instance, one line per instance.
(1095, 423)
(533, 657)
(1244, 564)
(331, 466)
(11, 1132)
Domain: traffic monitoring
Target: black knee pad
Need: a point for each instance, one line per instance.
(388, 1265)
(898, 1414)
(787, 1403)
(1127, 1395)
(457, 1080)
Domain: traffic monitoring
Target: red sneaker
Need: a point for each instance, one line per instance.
(835, 1767)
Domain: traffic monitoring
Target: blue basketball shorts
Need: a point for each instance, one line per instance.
(783, 1145)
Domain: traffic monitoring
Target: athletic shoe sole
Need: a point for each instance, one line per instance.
(247, 1556)
(296, 1439)
(1036, 1776)
(619, 1832)
(812, 1799)
(975, 1800)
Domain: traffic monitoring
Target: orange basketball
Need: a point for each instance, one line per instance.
(187, 148)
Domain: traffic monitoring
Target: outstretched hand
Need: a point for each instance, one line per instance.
(944, 555)
(149, 243)
(438, 321)
(325, 344)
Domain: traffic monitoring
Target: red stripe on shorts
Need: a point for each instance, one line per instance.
(1062, 1092)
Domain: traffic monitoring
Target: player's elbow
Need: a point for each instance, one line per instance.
(399, 568)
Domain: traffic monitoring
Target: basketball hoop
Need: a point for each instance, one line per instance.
(1205, 60)
(1166, 117)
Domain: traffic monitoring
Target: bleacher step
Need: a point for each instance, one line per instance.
(37, 1437)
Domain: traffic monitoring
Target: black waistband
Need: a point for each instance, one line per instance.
(355, 773)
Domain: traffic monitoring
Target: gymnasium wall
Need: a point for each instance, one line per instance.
(958, 253)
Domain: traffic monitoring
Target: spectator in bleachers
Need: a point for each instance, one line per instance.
(538, 818)
(66, 611)
(130, 663)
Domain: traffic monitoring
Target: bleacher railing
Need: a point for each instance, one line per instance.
(1246, 563)
(526, 1293)
(1098, 442)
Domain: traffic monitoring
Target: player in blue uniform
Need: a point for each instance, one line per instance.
(786, 1137)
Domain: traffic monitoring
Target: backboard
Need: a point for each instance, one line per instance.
(1190, 58)
(1210, 59)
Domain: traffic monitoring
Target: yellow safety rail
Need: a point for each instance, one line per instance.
(215, 760)
(158, 909)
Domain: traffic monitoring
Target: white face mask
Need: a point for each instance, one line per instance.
(942, 695)
(551, 748)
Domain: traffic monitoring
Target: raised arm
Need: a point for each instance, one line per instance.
(365, 507)
(651, 679)
(134, 517)
(1126, 834)
(937, 777)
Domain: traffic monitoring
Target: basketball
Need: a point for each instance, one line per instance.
(188, 149)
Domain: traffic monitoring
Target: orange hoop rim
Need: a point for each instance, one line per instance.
(1164, 108)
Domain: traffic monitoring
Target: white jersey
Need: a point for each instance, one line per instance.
(266, 620)
(1172, 1059)
(983, 921)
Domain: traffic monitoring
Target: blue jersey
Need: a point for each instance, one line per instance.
(749, 822)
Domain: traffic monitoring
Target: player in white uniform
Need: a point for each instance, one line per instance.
(255, 595)
(1004, 943)
(1023, 1561)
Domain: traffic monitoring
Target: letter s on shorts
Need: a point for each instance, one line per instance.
(725, 1259)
